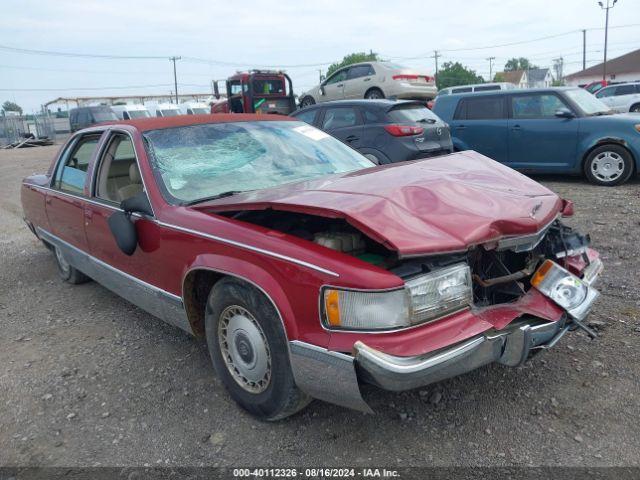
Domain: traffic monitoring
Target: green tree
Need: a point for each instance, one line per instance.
(454, 73)
(499, 77)
(11, 107)
(352, 58)
(518, 64)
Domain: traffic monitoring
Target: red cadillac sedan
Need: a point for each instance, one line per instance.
(308, 269)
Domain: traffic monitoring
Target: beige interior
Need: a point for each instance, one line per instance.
(119, 177)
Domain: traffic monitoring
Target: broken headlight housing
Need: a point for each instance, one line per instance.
(567, 290)
(423, 298)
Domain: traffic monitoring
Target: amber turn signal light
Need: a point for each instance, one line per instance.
(541, 273)
(332, 307)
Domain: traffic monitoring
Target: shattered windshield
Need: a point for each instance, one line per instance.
(201, 161)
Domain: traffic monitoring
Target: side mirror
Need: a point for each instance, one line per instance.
(122, 227)
(139, 203)
(124, 231)
(322, 92)
(564, 113)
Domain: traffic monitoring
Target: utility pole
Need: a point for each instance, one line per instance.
(491, 59)
(606, 34)
(584, 49)
(320, 75)
(175, 76)
(436, 55)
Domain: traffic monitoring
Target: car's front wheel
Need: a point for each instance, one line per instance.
(307, 102)
(248, 347)
(635, 108)
(608, 165)
(66, 271)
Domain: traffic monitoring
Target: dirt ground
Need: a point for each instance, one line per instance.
(88, 379)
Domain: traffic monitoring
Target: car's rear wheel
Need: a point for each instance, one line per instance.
(307, 102)
(635, 108)
(248, 347)
(374, 94)
(608, 165)
(66, 271)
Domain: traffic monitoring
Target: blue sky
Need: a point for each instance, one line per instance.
(304, 36)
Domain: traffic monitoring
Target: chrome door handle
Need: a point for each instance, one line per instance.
(340, 85)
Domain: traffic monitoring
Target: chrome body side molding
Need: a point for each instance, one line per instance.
(154, 300)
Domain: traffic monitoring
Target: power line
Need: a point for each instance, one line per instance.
(80, 55)
(308, 65)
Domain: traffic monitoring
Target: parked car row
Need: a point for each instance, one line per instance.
(83, 117)
(554, 130)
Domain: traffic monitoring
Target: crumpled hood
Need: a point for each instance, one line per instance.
(436, 205)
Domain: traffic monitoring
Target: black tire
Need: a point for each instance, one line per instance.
(307, 101)
(279, 397)
(635, 108)
(373, 94)
(67, 272)
(610, 154)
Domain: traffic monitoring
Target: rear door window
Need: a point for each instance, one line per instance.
(481, 108)
(625, 90)
(360, 71)
(72, 173)
(339, 118)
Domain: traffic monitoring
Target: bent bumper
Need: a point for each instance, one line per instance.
(509, 347)
(336, 377)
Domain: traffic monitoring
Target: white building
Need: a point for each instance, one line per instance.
(625, 68)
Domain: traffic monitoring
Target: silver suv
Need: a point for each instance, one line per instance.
(372, 80)
(621, 98)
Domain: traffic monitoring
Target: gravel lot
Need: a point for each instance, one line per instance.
(88, 379)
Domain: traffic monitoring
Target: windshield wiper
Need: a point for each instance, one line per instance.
(212, 197)
(427, 120)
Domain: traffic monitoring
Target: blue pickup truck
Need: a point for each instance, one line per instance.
(551, 130)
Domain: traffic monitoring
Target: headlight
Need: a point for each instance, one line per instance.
(424, 298)
(567, 290)
(440, 292)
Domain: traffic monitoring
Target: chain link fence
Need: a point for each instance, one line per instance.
(15, 128)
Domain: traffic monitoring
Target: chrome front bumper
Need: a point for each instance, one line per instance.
(509, 347)
(335, 377)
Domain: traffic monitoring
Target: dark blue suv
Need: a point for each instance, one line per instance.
(385, 131)
(552, 130)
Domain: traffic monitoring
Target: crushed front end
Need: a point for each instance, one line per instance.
(497, 302)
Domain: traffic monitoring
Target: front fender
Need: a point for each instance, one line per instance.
(592, 142)
(253, 274)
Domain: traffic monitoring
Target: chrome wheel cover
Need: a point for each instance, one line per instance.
(244, 349)
(607, 166)
(64, 265)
